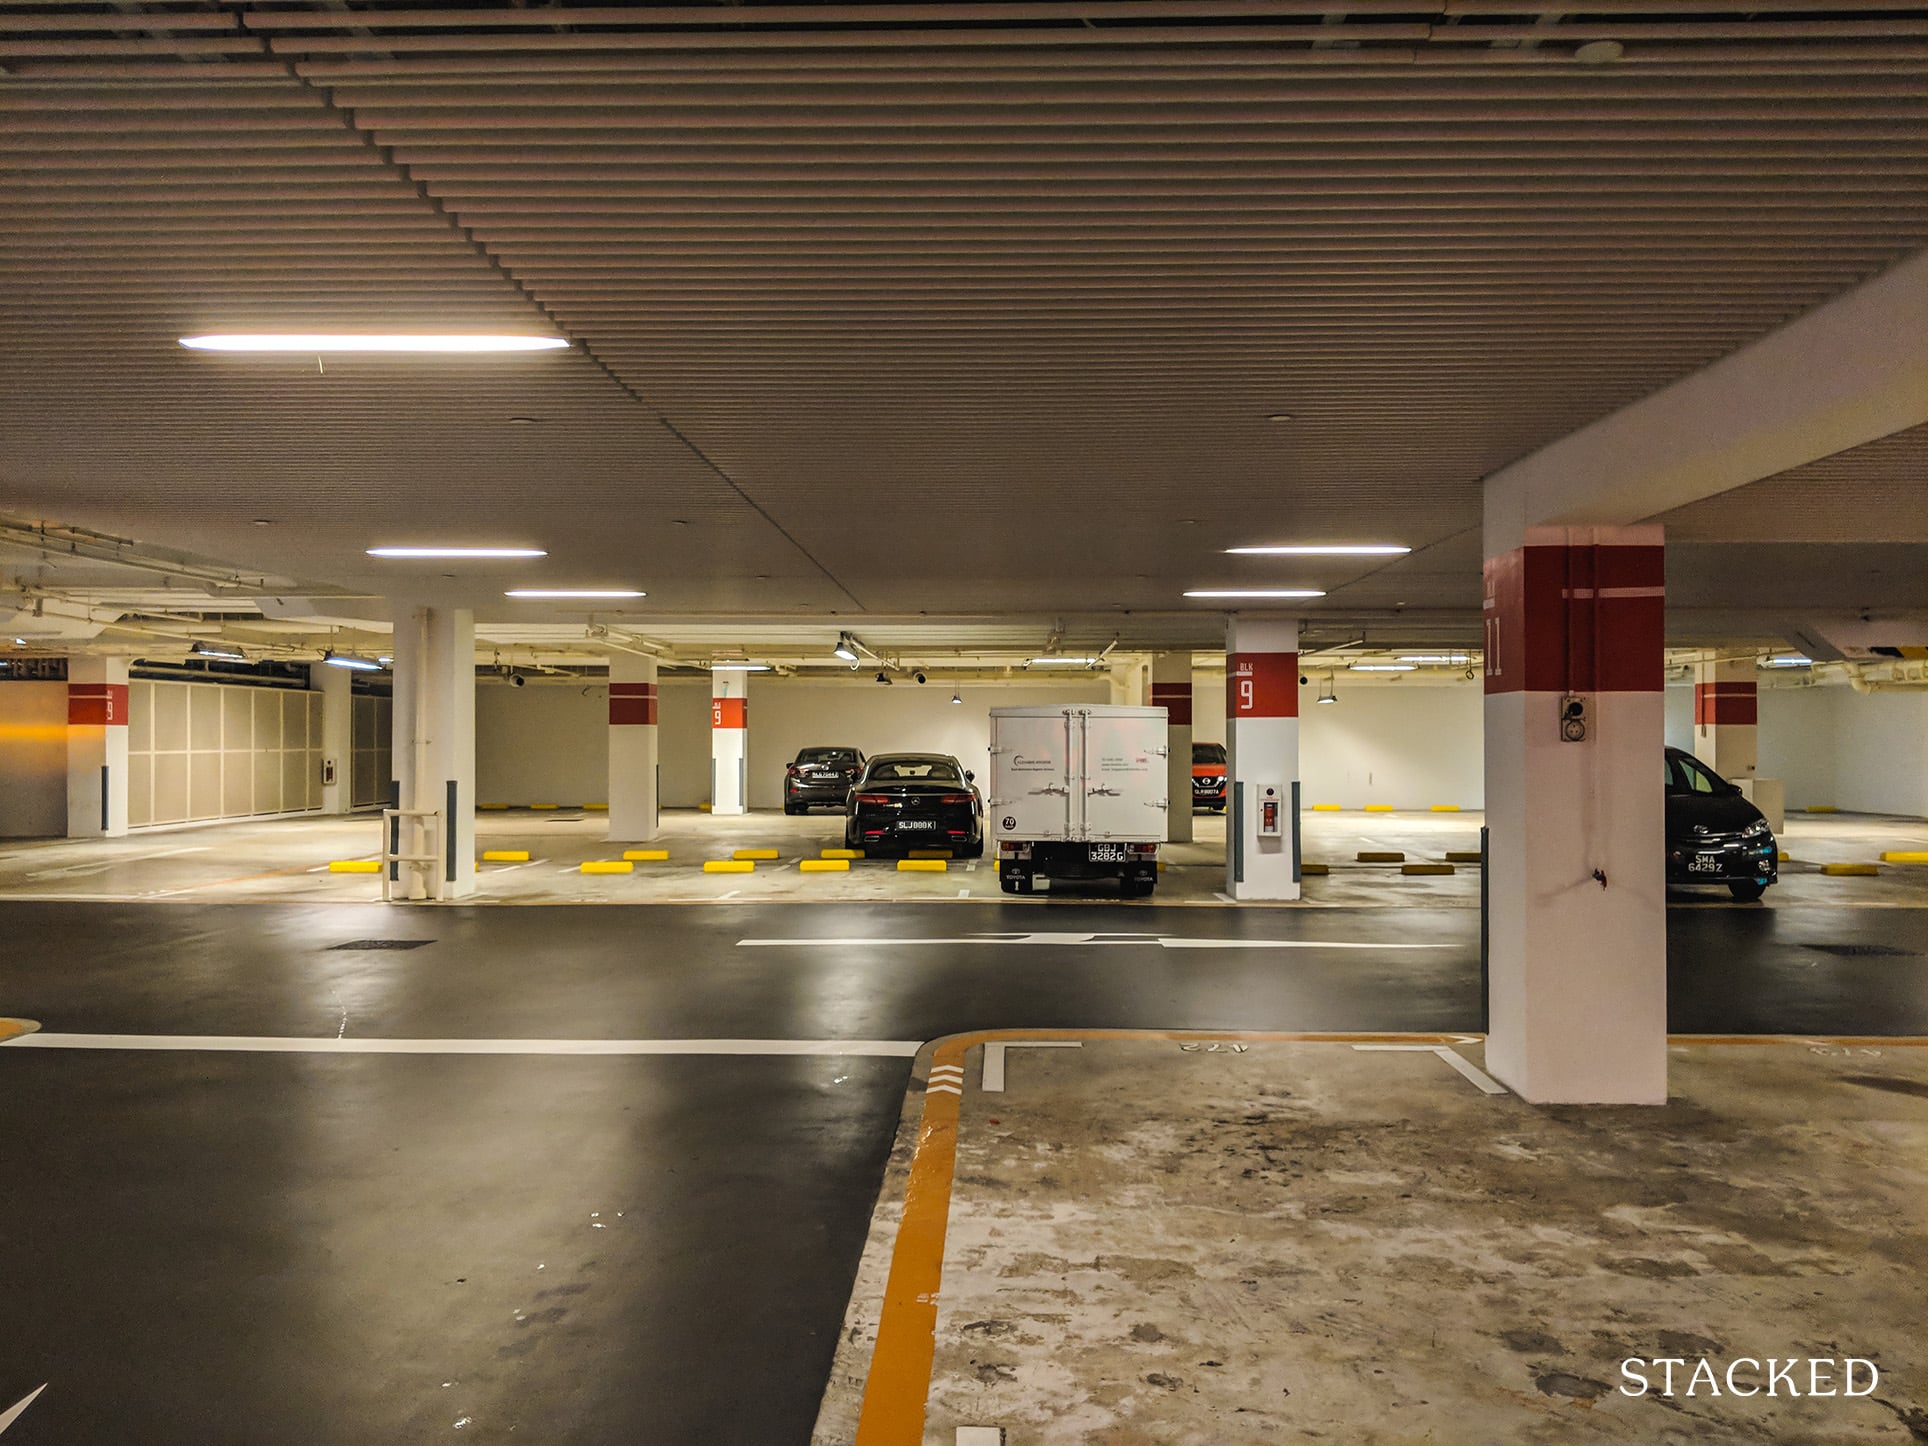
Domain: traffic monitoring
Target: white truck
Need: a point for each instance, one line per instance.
(1078, 791)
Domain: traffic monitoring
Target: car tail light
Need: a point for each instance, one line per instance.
(873, 798)
(1143, 848)
(955, 798)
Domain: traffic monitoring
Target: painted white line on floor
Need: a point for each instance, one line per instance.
(1486, 1083)
(1170, 943)
(1080, 940)
(21, 1405)
(963, 893)
(991, 1077)
(731, 895)
(980, 1436)
(301, 1044)
(1224, 898)
(101, 866)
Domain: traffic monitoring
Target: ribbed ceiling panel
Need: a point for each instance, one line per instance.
(944, 307)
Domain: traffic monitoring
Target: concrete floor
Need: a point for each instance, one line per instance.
(350, 1223)
(1194, 1244)
(288, 859)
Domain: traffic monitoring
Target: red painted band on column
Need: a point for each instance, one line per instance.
(1726, 703)
(729, 712)
(1176, 700)
(97, 704)
(1588, 618)
(1262, 685)
(632, 703)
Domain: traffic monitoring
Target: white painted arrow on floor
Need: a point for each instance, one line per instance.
(25, 1401)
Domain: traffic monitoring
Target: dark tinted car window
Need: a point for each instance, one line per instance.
(1687, 776)
(915, 770)
(1208, 753)
(827, 755)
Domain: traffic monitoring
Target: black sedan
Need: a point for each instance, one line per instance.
(1714, 835)
(820, 775)
(915, 800)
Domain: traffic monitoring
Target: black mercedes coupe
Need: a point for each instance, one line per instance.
(903, 801)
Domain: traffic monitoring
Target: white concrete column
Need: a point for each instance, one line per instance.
(337, 689)
(1726, 715)
(1262, 744)
(434, 746)
(1576, 886)
(729, 741)
(633, 749)
(1171, 689)
(96, 747)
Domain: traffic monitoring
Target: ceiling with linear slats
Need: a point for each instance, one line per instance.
(919, 308)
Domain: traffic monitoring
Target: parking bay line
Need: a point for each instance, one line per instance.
(318, 1044)
(1486, 1083)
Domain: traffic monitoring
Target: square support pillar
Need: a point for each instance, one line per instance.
(729, 741)
(1171, 689)
(97, 698)
(1576, 871)
(434, 747)
(1262, 747)
(337, 689)
(1726, 715)
(633, 749)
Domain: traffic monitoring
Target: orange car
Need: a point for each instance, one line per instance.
(1208, 776)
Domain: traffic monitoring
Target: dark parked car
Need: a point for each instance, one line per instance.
(915, 800)
(1714, 835)
(820, 775)
(1208, 776)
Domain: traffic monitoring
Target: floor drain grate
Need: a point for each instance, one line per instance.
(381, 944)
(1862, 951)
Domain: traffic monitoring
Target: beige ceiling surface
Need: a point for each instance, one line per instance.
(960, 309)
(1881, 485)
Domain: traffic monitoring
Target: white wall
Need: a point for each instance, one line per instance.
(544, 743)
(1679, 717)
(33, 759)
(1864, 752)
(1407, 744)
(547, 743)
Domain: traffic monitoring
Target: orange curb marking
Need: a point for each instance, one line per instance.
(897, 1387)
(14, 1028)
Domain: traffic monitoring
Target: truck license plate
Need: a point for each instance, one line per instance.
(1107, 853)
(1704, 864)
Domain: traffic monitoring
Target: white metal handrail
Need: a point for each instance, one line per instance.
(392, 855)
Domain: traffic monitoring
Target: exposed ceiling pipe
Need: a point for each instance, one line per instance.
(1889, 678)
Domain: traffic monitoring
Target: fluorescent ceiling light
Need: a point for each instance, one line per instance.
(739, 667)
(1793, 660)
(1457, 659)
(846, 648)
(309, 343)
(351, 662)
(1364, 549)
(1278, 592)
(218, 650)
(1059, 662)
(539, 592)
(1381, 667)
(456, 552)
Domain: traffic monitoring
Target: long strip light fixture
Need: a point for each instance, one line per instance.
(1254, 592)
(573, 592)
(310, 343)
(456, 552)
(1362, 549)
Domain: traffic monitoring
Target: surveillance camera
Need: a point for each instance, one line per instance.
(1303, 680)
(516, 680)
(920, 677)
